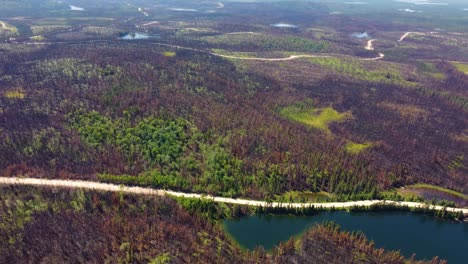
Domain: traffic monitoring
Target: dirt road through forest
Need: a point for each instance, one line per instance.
(74, 184)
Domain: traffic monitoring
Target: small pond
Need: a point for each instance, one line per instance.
(134, 36)
(284, 25)
(76, 8)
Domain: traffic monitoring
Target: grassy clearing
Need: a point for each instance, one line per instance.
(40, 30)
(235, 54)
(169, 54)
(304, 112)
(16, 94)
(406, 194)
(423, 186)
(356, 148)
(463, 67)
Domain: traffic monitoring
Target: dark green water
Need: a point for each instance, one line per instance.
(410, 233)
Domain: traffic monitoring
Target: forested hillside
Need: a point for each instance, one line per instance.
(234, 101)
(63, 226)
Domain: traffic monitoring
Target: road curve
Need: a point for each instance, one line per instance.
(75, 184)
(370, 45)
(407, 34)
(381, 56)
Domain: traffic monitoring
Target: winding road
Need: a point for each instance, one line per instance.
(291, 57)
(75, 184)
(381, 56)
(370, 45)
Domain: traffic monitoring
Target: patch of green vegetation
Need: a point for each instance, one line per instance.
(235, 54)
(304, 112)
(162, 258)
(388, 73)
(37, 38)
(431, 70)
(209, 209)
(7, 30)
(456, 163)
(399, 194)
(40, 30)
(266, 42)
(20, 210)
(75, 69)
(165, 147)
(156, 140)
(169, 54)
(356, 148)
(298, 196)
(14, 94)
(5, 26)
(222, 171)
(463, 67)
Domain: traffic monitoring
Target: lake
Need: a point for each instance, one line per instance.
(408, 232)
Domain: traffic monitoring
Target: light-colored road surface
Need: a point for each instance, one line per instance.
(141, 10)
(4, 26)
(407, 34)
(150, 23)
(158, 192)
(291, 57)
(381, 56)
(370, 45)
(237, 33)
